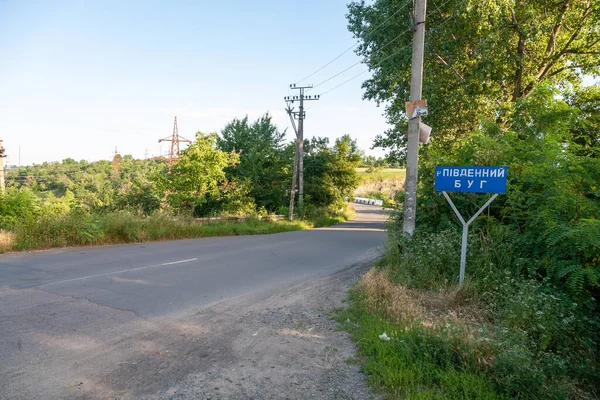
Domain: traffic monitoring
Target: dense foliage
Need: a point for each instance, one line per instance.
(265, 160)
(246, 170)
(88, 186)
(330, 172)
(552, 206)
(504, 84)
(480, 57)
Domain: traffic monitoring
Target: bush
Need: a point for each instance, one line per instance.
(18, 205)
(524, 324)
(507, 335)
(553, 199)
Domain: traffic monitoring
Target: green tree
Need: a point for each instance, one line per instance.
(264, 162)
(198, 178)
(93, 185)
(330, 172)
(586, 125)
(480, 58)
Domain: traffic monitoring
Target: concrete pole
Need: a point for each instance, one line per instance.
(416, 90)
(295, 171)
(301, 154)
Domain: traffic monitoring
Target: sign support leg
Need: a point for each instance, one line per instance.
(463, 253)
(465, 233)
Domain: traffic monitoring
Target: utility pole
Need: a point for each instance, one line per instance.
(416, 90)
(300, 139)
(290, 112)
(175, 139)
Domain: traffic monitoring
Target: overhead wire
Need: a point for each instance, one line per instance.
(359, 62)
(386, 58)
(437, 9)
(357, 42)
(368, 69)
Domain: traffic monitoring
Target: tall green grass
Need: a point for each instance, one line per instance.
(501, 335)
(124, 227)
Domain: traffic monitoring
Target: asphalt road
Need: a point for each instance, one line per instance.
(46, 296)
(153, 279)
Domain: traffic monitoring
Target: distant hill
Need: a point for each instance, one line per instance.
(381, 183)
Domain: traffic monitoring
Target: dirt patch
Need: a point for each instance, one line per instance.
(283, 347)
(428, 307)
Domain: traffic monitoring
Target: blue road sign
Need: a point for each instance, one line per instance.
(471, 179)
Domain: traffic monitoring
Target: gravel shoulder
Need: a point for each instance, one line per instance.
(283, 347)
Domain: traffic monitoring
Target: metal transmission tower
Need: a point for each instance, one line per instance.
(175, 139)
(116, 164)
(299, 157)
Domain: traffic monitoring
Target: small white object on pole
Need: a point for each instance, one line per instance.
(424, 133)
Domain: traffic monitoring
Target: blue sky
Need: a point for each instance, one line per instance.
(78, 78)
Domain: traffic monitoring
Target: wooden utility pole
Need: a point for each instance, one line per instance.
(416, 90)
(301, 154)
(299, 159)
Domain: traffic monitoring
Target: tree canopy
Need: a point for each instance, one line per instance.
(330, 171)
(480, 57)
(265, 161)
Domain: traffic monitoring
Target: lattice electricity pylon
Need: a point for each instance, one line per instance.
(175, 139)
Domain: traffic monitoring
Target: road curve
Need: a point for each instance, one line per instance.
(53, 304)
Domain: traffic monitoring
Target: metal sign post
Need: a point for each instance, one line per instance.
(474, 180)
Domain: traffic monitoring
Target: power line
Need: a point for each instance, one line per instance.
(359, 62)
(437, 9)
(357, 42)
(383, 60)
(368, 69)
(343, 83)
(442, 5)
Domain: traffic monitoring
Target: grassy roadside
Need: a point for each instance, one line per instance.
(123, 227)
(500, 336)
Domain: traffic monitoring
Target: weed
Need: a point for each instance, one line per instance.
(126, 227)
(501, 335)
